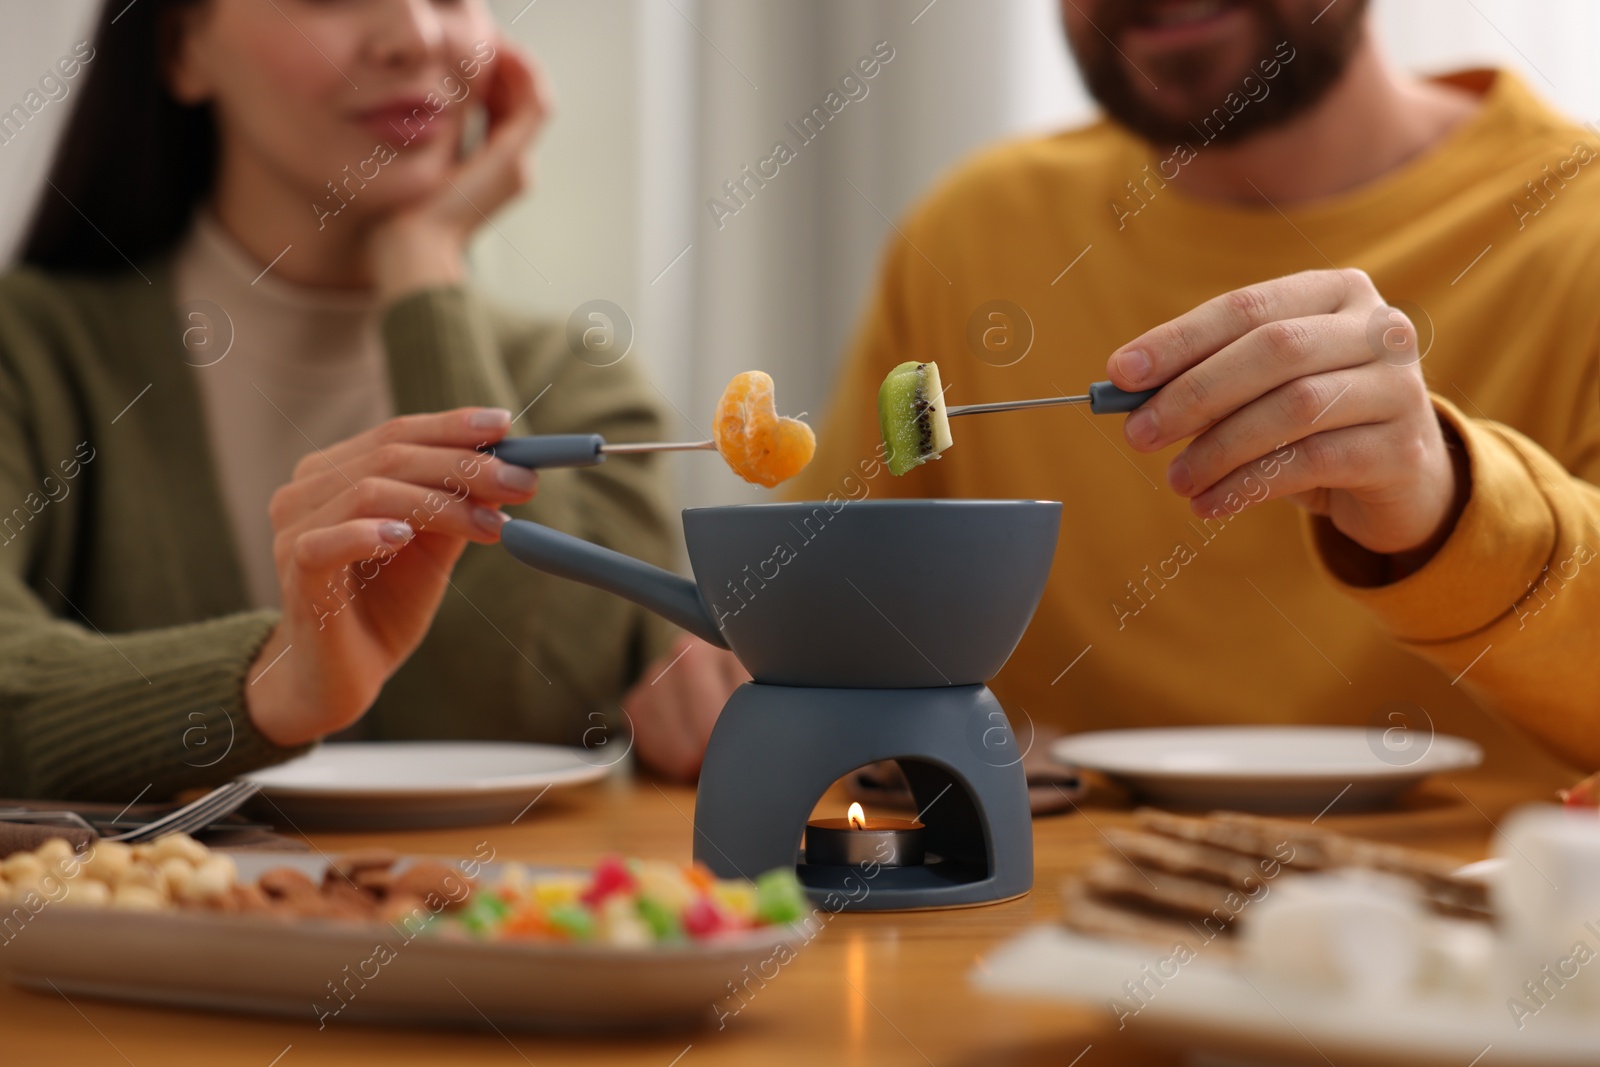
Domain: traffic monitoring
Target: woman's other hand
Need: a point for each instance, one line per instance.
(366, 535)
(676, 703)
(422, 246)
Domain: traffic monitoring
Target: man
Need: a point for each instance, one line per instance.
(1265, 181)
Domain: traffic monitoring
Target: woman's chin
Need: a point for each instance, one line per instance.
(400, 187)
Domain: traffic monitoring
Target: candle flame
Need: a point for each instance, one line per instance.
(857, 817)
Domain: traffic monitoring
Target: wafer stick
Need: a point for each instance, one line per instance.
(1307, 848)
(1085, 913)
(1194, 859)
(1191, 897)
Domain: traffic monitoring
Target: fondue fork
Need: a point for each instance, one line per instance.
(589, 449)
(580, 449)
(1103, 398)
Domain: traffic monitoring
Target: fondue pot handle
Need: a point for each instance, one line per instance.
(674, 598)
(550, 450)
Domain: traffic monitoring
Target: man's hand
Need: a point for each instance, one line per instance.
(676, 702)
(1308, 361)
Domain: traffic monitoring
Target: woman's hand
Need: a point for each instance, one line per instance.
(423, 246)
(1306, 387)
(367, 533)
(676, 703)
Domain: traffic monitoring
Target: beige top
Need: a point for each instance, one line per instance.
(282, 370)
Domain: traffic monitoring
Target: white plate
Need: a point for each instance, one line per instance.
(1266, 768)
(405, 785)
(1208, 1007)
(267, 966)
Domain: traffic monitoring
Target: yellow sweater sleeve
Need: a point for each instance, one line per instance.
(1509, 607)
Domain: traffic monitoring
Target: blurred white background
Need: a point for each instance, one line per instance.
(661, 101)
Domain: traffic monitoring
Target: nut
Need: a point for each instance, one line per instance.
(250, 899)
(347, 866)
(349, 898)
(375, 880)
(54, 852)
(176, 874)
(212, 879)
(136, 898)
(107, 861)
(433, 882)
(87, 893)
(25, 884)
(407, 913)
(184, 846)
(286, 883)
(143, 874)
(20, 865)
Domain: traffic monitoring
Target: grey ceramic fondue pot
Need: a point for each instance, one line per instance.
(870, 628)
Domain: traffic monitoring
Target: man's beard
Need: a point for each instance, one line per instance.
(1321, 51)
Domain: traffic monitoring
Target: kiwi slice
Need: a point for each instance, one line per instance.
(911, 413)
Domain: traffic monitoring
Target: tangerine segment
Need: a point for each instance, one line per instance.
(759, 444)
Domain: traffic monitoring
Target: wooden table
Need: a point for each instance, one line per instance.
(870, 989)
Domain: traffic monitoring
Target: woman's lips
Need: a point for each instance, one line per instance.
(409, 119)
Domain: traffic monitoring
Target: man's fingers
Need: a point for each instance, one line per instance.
(1348, 458)
(460, 428)
(1295, 410)
(1257, 363)
(1159, 355)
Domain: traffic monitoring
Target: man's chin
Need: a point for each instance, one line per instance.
(1177, 112)
(1188, 88)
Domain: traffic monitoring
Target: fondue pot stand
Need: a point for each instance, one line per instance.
(870, 628)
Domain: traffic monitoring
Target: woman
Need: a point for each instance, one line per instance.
(242, 391)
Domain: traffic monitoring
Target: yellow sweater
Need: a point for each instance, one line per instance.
(1154, 617)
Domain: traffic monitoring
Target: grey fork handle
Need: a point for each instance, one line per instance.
(551, 450)
(674, 598)
(1107, 399)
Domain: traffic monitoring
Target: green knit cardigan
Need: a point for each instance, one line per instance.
(125, 632)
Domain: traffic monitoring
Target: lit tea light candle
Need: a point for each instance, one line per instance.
(856, 841)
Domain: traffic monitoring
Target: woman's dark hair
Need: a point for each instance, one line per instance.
(134, 163)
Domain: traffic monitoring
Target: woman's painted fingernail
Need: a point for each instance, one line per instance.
(396, 533)
(1134, 365)
(1142, 427)
(1179, 478)
(491, 419)
(489, 519)
(517, 479)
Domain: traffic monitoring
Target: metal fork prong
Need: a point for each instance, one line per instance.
(173, 821)
(218, 803)
(224, 807)
(221, 801)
